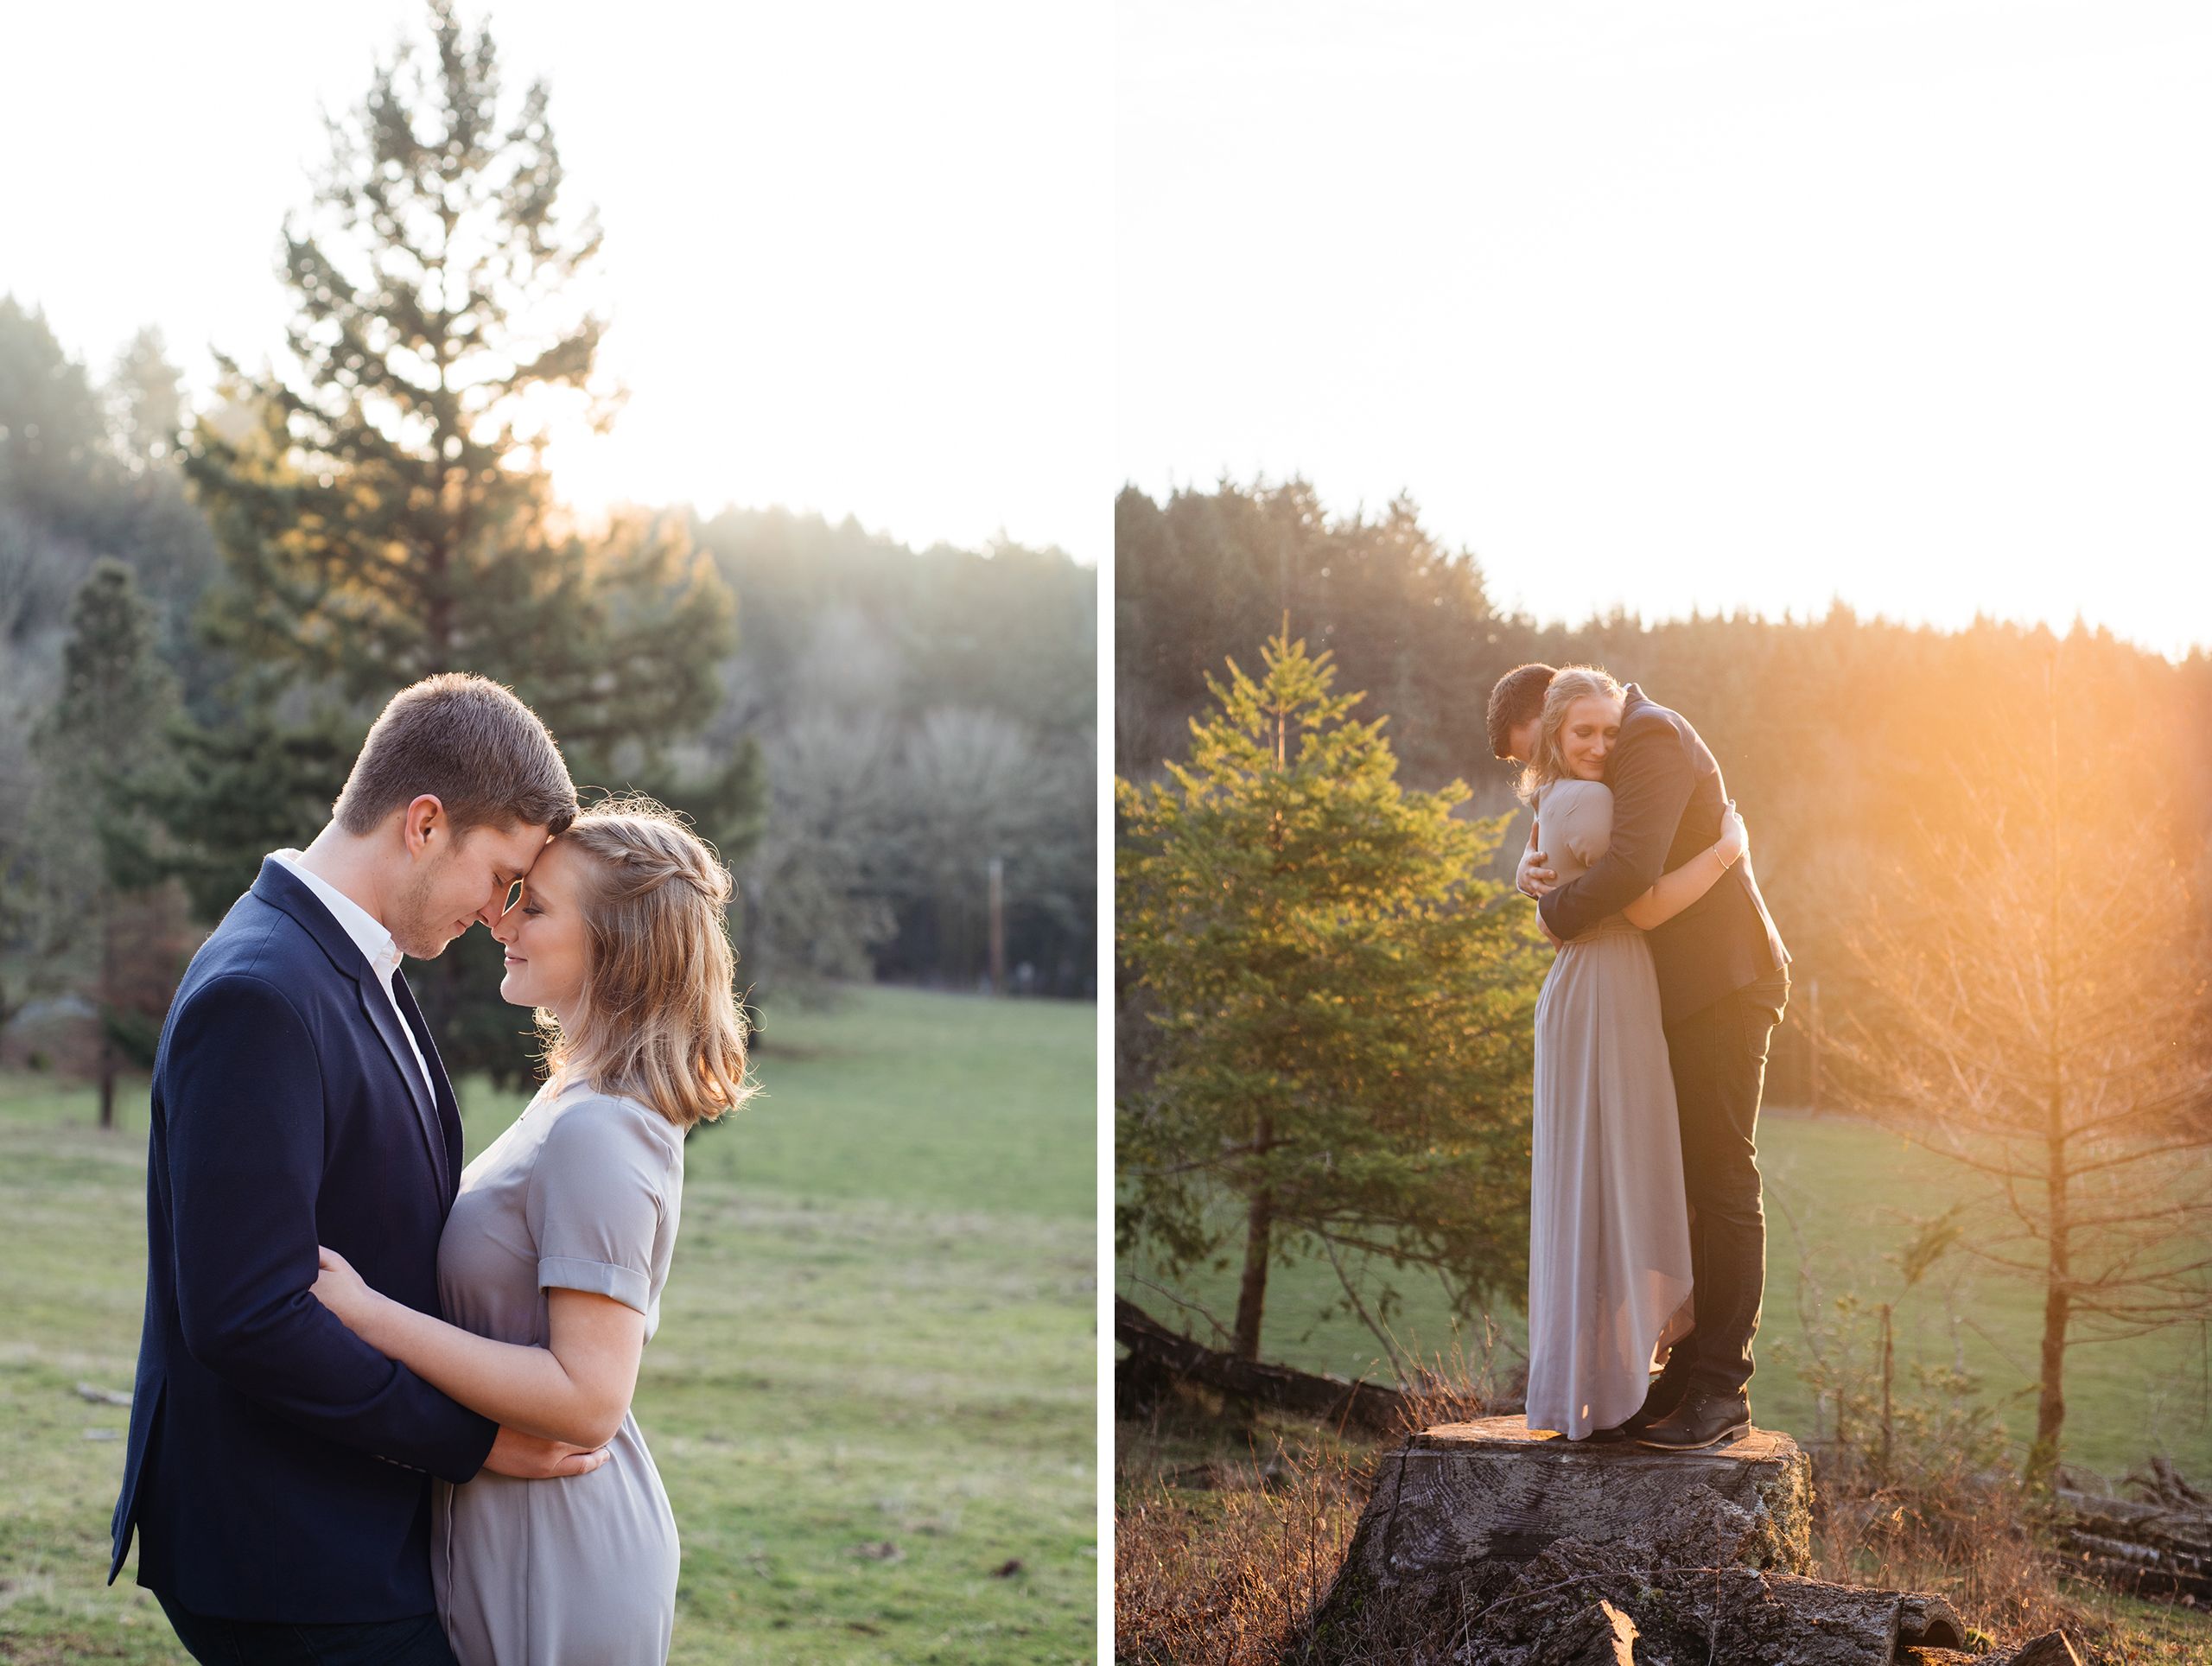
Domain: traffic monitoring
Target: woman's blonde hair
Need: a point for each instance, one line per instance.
(659, 1018)
(1546, 762)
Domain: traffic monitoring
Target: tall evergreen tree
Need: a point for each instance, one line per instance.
(51, 438)
(388, 516)
(88, 471)
(384, 512)
(102, 739)
(1340, 1011)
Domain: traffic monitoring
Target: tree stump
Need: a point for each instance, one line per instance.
(1495, 1490)
(1489, 1544)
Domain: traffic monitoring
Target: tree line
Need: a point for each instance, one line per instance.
(1839, 737)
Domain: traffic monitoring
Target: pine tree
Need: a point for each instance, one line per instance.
(388, 515)
(101, 739)
(384, 512)
(1340, 1013)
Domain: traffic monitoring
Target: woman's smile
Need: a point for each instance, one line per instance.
(1593, 724)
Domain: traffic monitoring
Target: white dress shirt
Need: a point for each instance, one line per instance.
(376, 944)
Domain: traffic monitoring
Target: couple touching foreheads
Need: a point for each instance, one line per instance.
(311, 1231)
(1647, 1242)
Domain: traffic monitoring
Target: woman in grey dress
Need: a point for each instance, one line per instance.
(553, 1260)
(1609, 1247)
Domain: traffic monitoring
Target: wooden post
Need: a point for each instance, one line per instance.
(107, 1005)
(1889, 1371)
(1813, 1036)
(998, 925)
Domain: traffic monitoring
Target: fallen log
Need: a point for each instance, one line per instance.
(2153, 1549)
(1160, 1356)
(2160, 1483)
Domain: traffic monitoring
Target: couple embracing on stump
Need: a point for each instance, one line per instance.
(1647, 1242)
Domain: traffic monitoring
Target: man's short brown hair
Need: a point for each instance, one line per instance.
(1515, 699)
(470, 743)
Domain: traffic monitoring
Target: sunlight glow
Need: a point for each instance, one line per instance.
(857, 256)
(1714, 306)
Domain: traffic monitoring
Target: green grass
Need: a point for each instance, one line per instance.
(877, 1330)
(1840, 1196)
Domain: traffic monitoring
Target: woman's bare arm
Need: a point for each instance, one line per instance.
(576, 1389)
(1685, 885)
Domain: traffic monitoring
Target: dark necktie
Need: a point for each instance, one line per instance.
(421, 1031)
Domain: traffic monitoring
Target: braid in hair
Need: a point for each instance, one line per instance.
(660, 1018)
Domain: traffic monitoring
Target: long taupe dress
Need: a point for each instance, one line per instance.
(1609, 1247)
(581, 1193)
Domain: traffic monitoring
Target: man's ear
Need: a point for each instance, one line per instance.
(424, 828)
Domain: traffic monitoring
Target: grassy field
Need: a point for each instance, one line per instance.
(1840, 1198)
(872, 1394)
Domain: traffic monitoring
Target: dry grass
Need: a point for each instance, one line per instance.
(1221, 1559)
(1228, 1530)
(1981, 1542)
(1973, 1542)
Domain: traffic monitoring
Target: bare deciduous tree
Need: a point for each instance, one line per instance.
(2031, 1008)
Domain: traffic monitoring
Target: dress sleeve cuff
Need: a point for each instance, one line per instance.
(624, 1284)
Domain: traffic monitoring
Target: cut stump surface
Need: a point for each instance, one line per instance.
(1495, 1490)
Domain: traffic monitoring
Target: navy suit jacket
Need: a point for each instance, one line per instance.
(279, 1468)
(1667, 803)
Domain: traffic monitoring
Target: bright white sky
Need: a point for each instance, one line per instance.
(858, 255)
(1712, 305)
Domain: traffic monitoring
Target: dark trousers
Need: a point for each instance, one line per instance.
(1719, 1056)
(418, 1640)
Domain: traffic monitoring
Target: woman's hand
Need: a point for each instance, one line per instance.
(1735, 837)
(1534, 874)
(342, 1290)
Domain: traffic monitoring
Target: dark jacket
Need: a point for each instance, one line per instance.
(1667, 803)
(279, 1468)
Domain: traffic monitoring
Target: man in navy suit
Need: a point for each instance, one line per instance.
(278, 1473)
(1724, 980)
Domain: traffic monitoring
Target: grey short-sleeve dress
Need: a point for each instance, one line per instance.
(581, 1193)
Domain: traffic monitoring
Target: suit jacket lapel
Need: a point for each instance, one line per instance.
(378, 1009)
(448, 1109)
(282, 888)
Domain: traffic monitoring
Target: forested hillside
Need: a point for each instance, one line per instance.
(1853, 745)
(861, 726)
